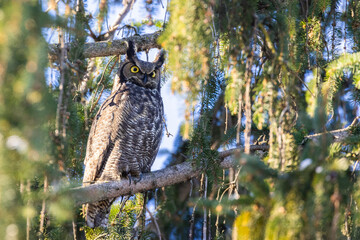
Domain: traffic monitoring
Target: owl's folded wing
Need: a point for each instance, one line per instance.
(101, 139)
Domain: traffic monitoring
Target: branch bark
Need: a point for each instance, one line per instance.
(157, 179)
(116, 47)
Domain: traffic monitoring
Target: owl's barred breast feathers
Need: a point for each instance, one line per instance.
(125, 135)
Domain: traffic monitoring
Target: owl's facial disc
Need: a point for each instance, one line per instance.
(144, 74)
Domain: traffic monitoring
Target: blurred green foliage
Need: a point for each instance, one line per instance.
(26, 111)
(302, 58)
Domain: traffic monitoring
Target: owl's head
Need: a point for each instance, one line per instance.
(142, 73)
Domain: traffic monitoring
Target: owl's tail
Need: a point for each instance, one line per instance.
(97, 214)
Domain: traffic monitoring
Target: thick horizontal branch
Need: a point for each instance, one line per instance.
(174, 174)
(115, 47)
(157, 179)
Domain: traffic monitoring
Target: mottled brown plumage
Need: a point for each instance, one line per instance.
(126, 132)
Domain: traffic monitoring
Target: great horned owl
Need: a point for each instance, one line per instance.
(126, 133)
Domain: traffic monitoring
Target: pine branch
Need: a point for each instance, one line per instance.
(116, 47)
(334, 72)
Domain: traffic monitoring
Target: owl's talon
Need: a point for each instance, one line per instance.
(134, 179)
(138, 179)
(129, 177)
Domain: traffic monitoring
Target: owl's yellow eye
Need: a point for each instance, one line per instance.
(134, 69)
(153, 74)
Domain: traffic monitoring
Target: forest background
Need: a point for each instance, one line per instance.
(269, 144)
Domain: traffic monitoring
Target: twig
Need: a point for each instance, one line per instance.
(127, 6)
(192, 222)
(100, 236)
(123, 202)
(129, 27)
(155, 222)
(74, 68)
(297, 76)
(62, 82)
(226, 119)
(28, 222)
(100, 82)
(335, 199)
(141, 217)
(248, 77)
(209, 226)
(166, 10)
(53, 5)
(74, 229)
(345, 21)
(191, 187)
(238, 127)
(339, 134)
(43, 208)
(167, 132)
(231, 177)
(65, 117)
(307, 35)
(217, 199)
(355, 166)
(204, 208)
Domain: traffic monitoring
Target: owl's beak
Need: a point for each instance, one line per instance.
(145, 80)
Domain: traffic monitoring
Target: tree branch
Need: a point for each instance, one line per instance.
(116, 47)
(157, 179)
(338, 135)
(174, 174)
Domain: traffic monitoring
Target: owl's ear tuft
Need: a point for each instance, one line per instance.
(160, 58)
(131, 50)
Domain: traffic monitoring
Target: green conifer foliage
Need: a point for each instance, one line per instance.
(310, 193)
(347, 64)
